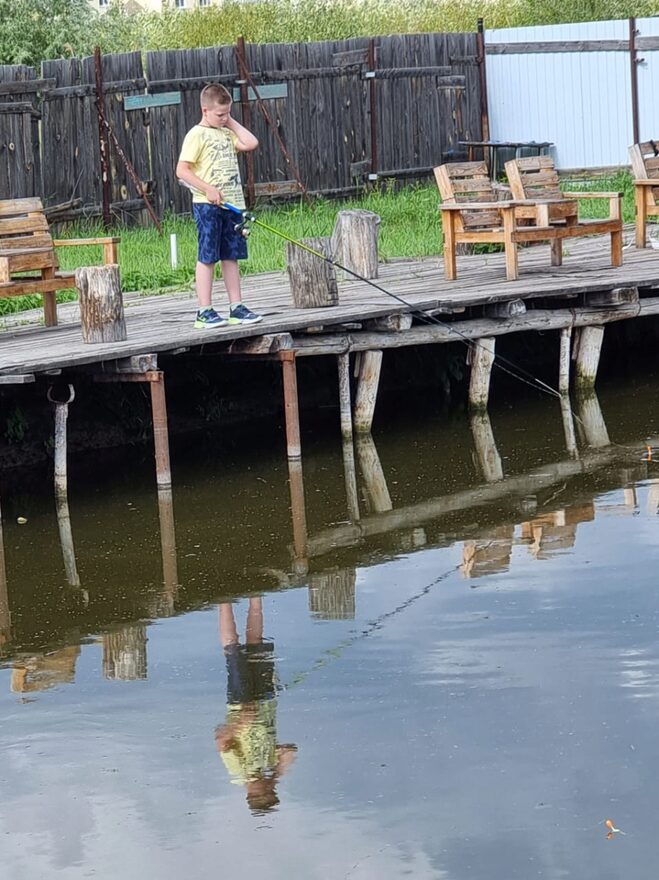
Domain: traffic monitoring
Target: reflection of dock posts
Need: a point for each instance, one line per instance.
(168, 548)
(482, 358)
(124, 653)
(294, 453)
(332, 594)
(588, 357)
(367, 390)
(5, 614)
(142, 368)
(371, 468)
(486, 447)
(591, 420)
(343, 363)
(568, 427)
(61, 488)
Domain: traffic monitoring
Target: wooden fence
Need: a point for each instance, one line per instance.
(345, 111)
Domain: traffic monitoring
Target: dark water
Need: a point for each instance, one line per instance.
(463, 686)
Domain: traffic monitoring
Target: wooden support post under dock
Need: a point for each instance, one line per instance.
(160, 430)
(482, 358)
(373, 475)
(61, 486)
(568, 427)
(564, 361)
(588, 357)
(291, 405)
(299, 516)
(5, 614)
(486, 447)
(367, 390)
(592, 421)
(349, 469)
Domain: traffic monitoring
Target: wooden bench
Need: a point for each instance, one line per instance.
(536, 178)
(26, 246)
(645, 168)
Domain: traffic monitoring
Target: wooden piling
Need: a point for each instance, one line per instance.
(5, 614)
(160, 429)
(486, 447)
(591, 420)
(355, 242)
(367, 391)
(312, 279)
(101, 304)
(299, 516)
(375, 483)
(61, 486)
(291, 405)
(564, 361)
(482, 359)
(588, 357)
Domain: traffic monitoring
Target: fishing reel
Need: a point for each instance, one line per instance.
(244, 227)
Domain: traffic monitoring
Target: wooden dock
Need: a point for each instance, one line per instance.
(579, 293)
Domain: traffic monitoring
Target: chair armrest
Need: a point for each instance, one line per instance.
(647, 181)
(480, 206)
(594, 195)
(74, 242)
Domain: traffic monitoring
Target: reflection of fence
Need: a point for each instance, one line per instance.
(124, 653)
(344, 109)
(332, 594)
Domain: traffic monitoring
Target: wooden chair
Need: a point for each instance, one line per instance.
(26, 245)
(471, 213)
(536, 178)
(645, 168)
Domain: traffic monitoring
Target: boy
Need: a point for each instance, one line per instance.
(209, 165)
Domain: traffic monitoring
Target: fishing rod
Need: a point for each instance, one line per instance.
(248, 218)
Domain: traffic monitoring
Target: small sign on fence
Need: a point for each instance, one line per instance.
(142, 102)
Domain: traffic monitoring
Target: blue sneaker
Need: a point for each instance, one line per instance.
(208, 318)
(240, 314)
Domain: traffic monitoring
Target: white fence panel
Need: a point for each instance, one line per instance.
(580, 101)
(648, 82)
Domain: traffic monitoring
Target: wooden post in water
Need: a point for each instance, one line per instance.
(568, 427)
(482, 358)
(355, 241)
(374, 479)
(588, 357)
(101, 304)
(313, 280)
(291, 405)
(160, 429)
(367, 390)
(167, 601)
(592, 420)
(299, 517)
(564, 361)
(349, 470)
(61, 485)
(5, 614)
(486, 447)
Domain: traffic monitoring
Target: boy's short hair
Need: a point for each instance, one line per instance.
(214, 94)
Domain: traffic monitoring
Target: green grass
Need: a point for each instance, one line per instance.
(410, 227)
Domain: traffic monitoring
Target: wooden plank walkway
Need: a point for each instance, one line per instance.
(164, 323)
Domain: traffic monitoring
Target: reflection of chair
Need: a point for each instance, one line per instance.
(472, 214)
(43, 672)
(645, 167)
(551, 532)
(489, 554)
(536, 178)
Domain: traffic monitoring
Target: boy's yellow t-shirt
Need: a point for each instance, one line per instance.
(212, 154)
(254, 751)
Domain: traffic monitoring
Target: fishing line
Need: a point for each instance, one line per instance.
(511, 368)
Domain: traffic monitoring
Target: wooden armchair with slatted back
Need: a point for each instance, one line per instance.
(536, 178)
(645, 168)
(472, 213)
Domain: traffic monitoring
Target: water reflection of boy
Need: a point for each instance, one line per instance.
(247, 741)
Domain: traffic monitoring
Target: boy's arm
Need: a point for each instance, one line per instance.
(185, 173)
(246, 141)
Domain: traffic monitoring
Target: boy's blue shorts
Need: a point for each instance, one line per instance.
(218, 239)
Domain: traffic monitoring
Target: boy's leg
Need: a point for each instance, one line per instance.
(254, 632)
(204, 275)
(231, 276)
(228, 630)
